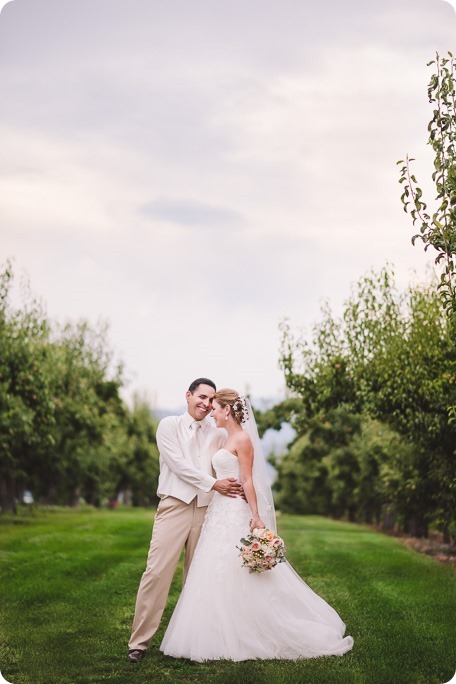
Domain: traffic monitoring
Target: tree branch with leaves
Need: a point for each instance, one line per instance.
(438, 229)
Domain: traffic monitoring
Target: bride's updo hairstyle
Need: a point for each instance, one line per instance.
(229, 397)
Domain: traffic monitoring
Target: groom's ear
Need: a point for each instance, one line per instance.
(188, 394)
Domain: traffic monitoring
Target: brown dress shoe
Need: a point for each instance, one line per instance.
(135, 655)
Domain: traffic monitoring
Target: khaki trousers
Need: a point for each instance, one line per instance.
(177, 525)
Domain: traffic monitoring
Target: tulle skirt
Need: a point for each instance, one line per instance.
(225, 612)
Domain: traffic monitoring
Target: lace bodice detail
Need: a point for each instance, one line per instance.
(226, 521)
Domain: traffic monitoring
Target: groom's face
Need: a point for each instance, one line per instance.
(200, 402)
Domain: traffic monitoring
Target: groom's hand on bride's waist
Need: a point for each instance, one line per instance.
(228, 487)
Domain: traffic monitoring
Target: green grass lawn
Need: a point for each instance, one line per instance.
(69, 581)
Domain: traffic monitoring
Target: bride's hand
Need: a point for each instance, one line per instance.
(256, 522)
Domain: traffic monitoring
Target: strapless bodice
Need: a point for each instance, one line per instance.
(225, 464)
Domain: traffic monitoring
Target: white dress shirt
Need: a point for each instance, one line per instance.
(185, 470)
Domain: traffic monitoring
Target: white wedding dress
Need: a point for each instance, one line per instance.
(225, 612)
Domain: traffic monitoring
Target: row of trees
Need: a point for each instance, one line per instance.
(65, 432)
(369, 397)
(370, 393)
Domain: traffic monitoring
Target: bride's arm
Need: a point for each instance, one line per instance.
(245, 456)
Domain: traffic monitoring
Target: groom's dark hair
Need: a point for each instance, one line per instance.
(201, 381)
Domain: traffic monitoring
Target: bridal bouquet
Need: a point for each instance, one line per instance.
(261, 550)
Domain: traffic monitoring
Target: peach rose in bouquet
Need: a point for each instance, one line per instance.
(261, 550)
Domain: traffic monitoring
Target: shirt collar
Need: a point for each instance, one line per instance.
(189, 420)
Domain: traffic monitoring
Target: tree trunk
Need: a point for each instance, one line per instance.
(389, 518)
(368, 517)
(417, 526)
(8, 495)
(73, 499)
(51, 495)
(446, 534)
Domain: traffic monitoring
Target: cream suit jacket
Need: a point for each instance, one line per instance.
(185, 473)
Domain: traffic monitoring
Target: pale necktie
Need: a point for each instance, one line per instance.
(197, 438)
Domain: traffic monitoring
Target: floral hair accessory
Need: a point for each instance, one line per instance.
(240, 409)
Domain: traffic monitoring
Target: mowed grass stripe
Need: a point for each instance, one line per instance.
(69, 581)
(70, 589)
(398, 605)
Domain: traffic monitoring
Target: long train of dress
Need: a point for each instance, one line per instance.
(225, 612)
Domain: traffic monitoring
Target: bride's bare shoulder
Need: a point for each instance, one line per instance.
(243, 441)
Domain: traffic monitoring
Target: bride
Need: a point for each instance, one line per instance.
(225, 612)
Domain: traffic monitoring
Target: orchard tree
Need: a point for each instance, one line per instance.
(134, 466)
(86, 400)
(26, 406)
(65, 432)
(301, 481)
(388, 487)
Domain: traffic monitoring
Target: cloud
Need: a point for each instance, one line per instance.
(187, 212)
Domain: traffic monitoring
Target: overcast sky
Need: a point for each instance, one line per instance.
(195, 171)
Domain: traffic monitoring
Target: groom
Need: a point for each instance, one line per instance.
(185, 487)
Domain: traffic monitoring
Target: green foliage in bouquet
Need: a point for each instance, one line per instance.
(261, 550)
